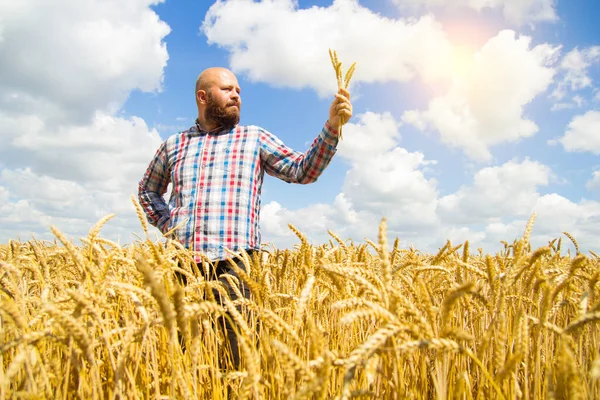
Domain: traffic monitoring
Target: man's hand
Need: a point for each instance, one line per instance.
(340, 111)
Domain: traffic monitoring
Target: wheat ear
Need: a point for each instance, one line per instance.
(342, 81)
(140, 214)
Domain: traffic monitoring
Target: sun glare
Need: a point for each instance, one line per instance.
(462, 62)
(466, 36)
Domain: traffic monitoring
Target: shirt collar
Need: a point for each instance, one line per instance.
(216, 131)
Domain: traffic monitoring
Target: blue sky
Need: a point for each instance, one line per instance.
(469, 115)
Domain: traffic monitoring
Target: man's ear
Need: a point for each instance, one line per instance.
(201, 96)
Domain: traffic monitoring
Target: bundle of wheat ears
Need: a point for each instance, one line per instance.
(342, 83)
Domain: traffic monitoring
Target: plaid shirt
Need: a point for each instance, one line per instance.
(216, 184)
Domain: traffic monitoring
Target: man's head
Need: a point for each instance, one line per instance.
(218, 98)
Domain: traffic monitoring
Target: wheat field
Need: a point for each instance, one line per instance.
(340, 320)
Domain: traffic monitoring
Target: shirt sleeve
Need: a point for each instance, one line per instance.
(152, 188)
(292, 166)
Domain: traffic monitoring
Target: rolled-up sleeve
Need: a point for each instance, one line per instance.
(152, 188)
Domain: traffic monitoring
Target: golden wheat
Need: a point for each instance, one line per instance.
(342, 81)
(339, 320)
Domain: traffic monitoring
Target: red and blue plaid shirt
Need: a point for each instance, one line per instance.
(216, 184)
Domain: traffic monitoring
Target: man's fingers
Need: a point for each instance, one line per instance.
(342, 107)
(342, 98)
(344, 116)
(344, 92)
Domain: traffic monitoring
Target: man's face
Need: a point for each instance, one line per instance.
(223, 101)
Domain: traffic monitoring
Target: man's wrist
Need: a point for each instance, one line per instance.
(330, 135)
(334, 129)
(163, 224)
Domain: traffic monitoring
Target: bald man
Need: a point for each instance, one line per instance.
(216, 169)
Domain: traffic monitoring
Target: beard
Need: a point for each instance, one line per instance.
(225, 116)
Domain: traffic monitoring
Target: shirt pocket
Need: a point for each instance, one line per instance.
(222, 159)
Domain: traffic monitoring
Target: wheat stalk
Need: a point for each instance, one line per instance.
(342, 81)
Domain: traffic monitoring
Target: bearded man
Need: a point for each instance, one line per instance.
(216, 169)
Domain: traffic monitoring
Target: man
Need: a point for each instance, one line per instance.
(216, 168)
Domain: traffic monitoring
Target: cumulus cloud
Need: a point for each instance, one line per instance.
(384, 180)
(494, 208)
(109, 150)
(509, 189)
(393, 183)
(501, 199)
(515, 12)
(487, 108)
(594, 183)
(34, 202)
(488, 90)
(372, 135)
(582, 133)
(574, 73)
(557, 214)
(73, 58)
(294, 41)
(67, 179)
(66, 158)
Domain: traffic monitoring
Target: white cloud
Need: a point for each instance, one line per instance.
(485, 106)
(562, 106)
(516, 12)
(68, 59)
(393, 183)
(384, 180)
(65, 157)
(582, 133)
(372, 135)
(576, 102)
(507, 190)
(314, 221)
(556, 214)
(44, 192)
(111, 148)
(77, 177)
(594, 183)
(295, 41)
(574, 70)
(37, 201)
(476, 213)
(388, 181)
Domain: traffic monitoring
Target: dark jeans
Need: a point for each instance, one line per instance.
(216, 272)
